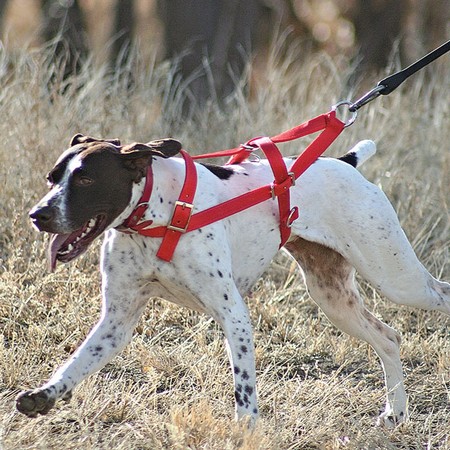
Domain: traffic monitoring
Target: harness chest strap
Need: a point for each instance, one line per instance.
(183, 219)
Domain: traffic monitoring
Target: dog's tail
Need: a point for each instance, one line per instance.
(359, 153)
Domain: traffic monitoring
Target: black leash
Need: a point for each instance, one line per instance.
(388, 84)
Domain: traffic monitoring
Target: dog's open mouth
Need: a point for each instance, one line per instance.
(66, 247)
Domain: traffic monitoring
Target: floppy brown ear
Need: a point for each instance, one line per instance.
(82, 139)
(165, 147)
(137, 150)
(137, 157)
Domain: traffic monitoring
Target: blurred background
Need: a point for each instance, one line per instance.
(213, 41)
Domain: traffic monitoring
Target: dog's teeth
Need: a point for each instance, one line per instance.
(91, 224)
(69, 247)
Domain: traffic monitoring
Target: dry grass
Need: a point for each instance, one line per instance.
(171, 388)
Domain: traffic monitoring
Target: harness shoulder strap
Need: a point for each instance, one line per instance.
(182, 212)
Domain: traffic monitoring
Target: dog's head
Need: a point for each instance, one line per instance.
(90, 185)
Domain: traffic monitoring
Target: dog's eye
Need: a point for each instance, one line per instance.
(83, 181)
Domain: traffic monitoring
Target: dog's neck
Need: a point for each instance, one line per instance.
(168, 176)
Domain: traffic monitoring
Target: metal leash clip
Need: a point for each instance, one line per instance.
(368, 97)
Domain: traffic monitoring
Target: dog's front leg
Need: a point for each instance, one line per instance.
(121, 309)
(235, 321)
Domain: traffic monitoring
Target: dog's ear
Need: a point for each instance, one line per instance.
(165, 148)
(162, 147)
(136, 151)
(136, 158)
(82, 139)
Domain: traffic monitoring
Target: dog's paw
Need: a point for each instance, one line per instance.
(390, 420)
(67, 397)
(33, 403)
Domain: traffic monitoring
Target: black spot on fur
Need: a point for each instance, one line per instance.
(224, 173)
(350, 158)
(237, 396)
(248, 389)
(245, 375)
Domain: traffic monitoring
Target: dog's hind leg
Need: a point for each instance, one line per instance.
(330, 282)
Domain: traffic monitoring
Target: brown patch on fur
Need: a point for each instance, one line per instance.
(332, 286)
(329, 268)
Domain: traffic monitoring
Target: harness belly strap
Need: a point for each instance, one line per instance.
(280, 187)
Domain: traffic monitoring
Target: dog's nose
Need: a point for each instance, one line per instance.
(41, 215)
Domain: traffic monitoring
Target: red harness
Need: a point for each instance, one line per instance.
(184, 220)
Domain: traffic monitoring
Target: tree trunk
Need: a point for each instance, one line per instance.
(64, 30)
(122, 33)
(378, 23)
(212, 41)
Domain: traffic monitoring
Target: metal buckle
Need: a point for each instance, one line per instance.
(183, 205)
(292, 175)
(272, 185)
(142, 204)
(136, 217)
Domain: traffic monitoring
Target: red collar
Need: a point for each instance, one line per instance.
(133, 222)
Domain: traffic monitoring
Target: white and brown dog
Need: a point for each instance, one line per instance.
(346, 223)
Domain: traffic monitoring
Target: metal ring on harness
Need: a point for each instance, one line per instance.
(293, 216)
(250, 148)
(352, 118)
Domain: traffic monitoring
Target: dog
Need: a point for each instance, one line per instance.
(346, 224)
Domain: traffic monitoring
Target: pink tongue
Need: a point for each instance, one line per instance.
(56, 242)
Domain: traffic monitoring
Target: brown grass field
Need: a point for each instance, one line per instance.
(171, 388)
